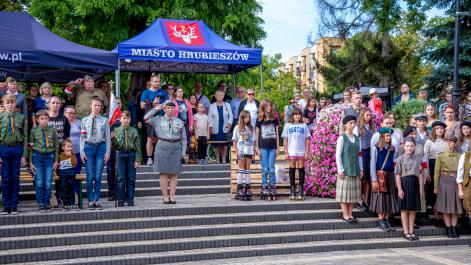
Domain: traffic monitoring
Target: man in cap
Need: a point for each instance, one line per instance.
(375, 104)
(422, 132)
(83, 89)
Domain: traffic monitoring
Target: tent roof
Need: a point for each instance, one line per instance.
(184, 46)
(30, 52)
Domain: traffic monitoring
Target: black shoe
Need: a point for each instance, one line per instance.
(98, 206)
(6, 211)
(349, 220)
(248, 192)
(415, 237)
(449, 233)
(383, 225)
(14, 211)
(42, 209)
(366, 206)
(130, 204)
(111, 197)
(120, 204)
(454, 232)
(91, 206)
(48, 208)
(354, 219)
(390, 227)
(408, 237)
(361, 207)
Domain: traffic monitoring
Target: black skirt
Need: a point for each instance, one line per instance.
(430, 196)
(411, 201)
(366, 156)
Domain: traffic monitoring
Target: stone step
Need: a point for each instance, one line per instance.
(155, 252)
(151, 191)
(149, 183)
(326, 219)
(153, 207)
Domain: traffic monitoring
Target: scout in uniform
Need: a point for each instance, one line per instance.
(95, 145)
(84, 91)
(448, 202)
(170, 148)
(464, 185)
(43, 157)
(128, 147)
(13, 152)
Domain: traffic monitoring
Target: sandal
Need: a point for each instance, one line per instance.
(166, 201)
(349, 220)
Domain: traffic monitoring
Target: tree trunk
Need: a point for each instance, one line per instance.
(384, 79)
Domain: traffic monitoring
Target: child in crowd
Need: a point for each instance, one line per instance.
(267, 127)
(201, 133)
(43, 157)
(350, 169)
(434, 146)
(412, 121)
(295, 142)
(422, 131)
(365, 130)
(383, 201)
(431, 113)
(95, 144)
(464, 139)
(128, 146)
(448, 202)
(66, 172)
(13, 152)
(409, 179)
(245, 146)
(309, 113)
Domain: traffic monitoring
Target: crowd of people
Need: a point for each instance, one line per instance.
(390, 171)
(386, 171)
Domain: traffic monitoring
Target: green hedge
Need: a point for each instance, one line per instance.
(404, 110)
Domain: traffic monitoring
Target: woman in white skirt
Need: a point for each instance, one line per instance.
(170, 148)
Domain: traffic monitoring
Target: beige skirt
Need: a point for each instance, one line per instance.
(447, 196)
(348, 189)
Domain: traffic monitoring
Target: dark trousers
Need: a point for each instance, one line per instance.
(11, 163)
(67, 189)
(202, 146)
(126, 176)
(111, 174)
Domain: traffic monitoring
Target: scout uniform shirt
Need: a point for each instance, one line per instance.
(127, 139)
(408, 165)
(44, 141)
(14, 130)
(445, 162)
(83, 98)
(95, 130)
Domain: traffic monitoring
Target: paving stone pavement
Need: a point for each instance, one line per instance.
(449, 255)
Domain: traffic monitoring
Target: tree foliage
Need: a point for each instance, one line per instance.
(441, 30)
(13, 5)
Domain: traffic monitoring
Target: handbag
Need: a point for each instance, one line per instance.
(381, 177)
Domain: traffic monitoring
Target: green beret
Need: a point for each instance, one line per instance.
(384, 130)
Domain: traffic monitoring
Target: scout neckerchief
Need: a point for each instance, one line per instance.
(45, 140)
(11, 123)
(94, 126)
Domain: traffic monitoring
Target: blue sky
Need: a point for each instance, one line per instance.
(289, 22)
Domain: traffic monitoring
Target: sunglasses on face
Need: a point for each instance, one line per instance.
(250, 94)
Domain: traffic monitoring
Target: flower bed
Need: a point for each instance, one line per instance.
(321, 168)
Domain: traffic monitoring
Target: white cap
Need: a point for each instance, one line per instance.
(372, 91)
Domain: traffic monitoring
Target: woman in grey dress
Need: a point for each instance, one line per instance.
(170, 148)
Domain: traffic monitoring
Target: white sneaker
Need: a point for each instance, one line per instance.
(150, 162)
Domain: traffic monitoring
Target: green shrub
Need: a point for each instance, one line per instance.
(404, 110)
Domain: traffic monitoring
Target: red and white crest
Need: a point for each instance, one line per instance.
(184, 33)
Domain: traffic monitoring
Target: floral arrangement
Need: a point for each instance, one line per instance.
(321, 167)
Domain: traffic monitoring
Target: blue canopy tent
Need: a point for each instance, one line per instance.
(30, 52)
(183, 46)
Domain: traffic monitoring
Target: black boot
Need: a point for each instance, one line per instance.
(300, 195)
(292, 193)
(272, 192)
(248, 192)
(454, 232)
(240, 193)
(264, 193)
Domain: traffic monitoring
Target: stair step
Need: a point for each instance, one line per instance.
(148, 183)
(153, 207)
(118, 253)
(325, 219)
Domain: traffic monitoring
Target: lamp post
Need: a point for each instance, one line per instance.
(455, 92)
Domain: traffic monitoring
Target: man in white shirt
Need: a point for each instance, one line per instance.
(199, 95)
(303, 102)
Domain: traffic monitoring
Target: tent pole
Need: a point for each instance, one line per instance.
(261, 80)
(233, 89)
(117, 76)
